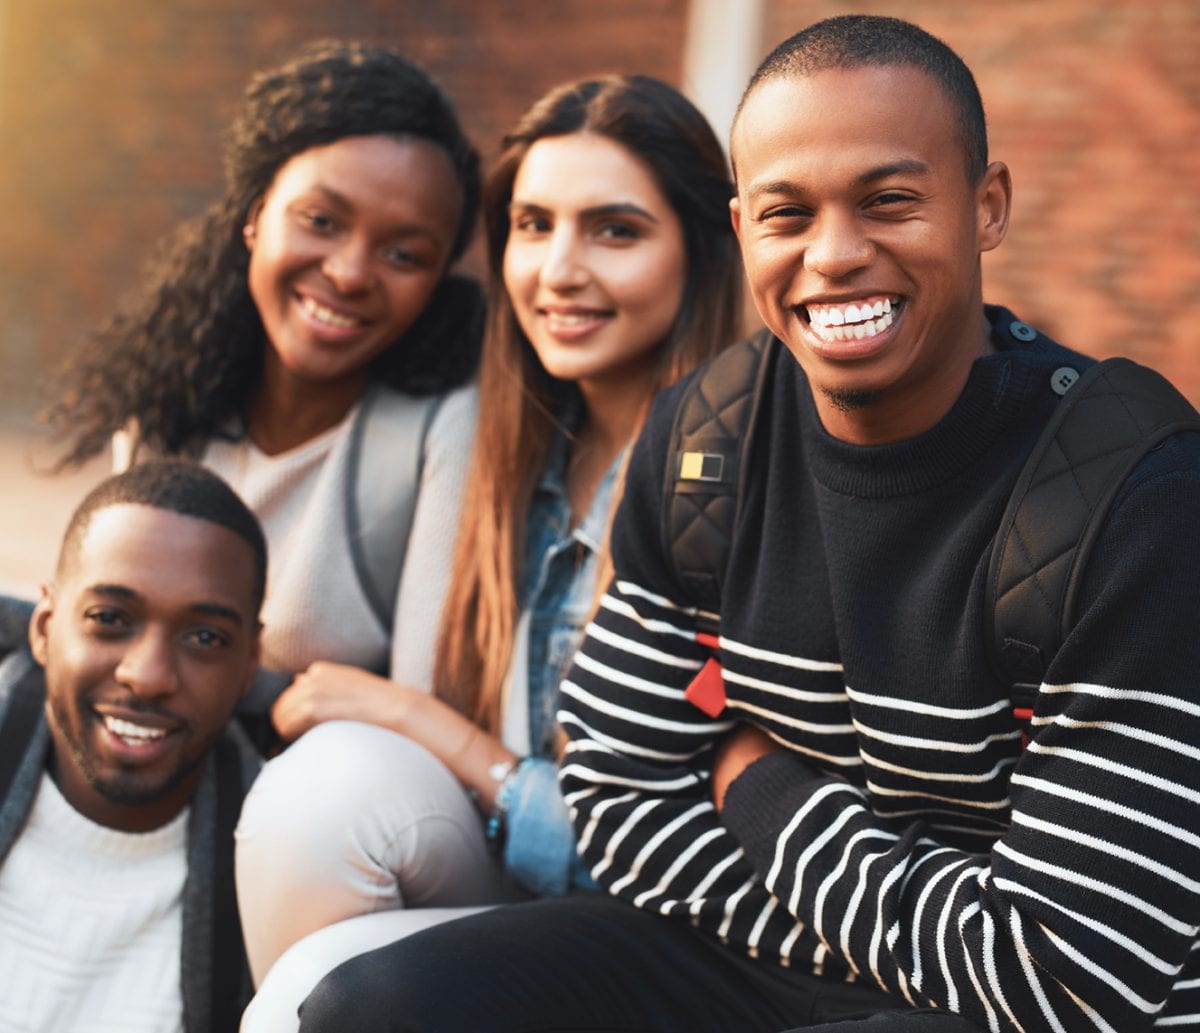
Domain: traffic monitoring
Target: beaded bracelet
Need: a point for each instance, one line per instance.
(496, 829)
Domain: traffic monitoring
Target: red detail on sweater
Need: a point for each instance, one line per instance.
(707, 690)
(1024, 715)
(708, 641)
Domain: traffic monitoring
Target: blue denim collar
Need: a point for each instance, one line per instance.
(591, 530)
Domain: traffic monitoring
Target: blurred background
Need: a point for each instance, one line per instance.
(111, 115)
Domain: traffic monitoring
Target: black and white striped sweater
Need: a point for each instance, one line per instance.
(905, 837)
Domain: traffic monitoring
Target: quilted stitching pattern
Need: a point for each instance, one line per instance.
(713, 419)
(1078, 472)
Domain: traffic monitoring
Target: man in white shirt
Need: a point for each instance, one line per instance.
(120, 774)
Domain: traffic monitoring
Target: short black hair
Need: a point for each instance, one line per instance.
(858, 40)
(178, 486)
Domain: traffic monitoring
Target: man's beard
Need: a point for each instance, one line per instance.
(127, 788)
(850, 401)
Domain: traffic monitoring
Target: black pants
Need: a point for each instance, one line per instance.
(595, 964)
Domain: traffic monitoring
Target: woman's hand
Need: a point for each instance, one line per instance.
(736, 752)
(338, 692)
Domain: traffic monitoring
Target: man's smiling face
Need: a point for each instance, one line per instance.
(149, 637)
(861, 234)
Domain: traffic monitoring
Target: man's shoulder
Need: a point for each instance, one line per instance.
(715, 385)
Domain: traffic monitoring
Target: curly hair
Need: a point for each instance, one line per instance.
(184, 356)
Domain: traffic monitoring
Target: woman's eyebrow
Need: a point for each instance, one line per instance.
(595, 211)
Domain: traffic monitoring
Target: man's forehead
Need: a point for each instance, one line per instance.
(144, 549)
(858, 104)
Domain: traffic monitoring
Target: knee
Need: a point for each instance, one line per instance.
(330, 773)
(416, 984)
(350, 997)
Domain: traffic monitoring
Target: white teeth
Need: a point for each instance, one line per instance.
(869, 317)
(327, 315)
(853, 313)
(572, 318)
(858, 332)
(129, 730)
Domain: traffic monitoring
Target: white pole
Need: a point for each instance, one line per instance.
(723, 47)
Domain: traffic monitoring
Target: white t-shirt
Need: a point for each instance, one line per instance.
(91, 922)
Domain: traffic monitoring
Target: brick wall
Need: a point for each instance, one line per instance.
(1095, 106)
(111, 115)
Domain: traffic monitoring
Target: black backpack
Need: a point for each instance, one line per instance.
(1107, 419)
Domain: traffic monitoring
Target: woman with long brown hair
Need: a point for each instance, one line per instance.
(614, 271)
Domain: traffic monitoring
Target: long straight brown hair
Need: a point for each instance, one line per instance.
(520, 403)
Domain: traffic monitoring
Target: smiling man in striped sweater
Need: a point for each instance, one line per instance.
(854, 823)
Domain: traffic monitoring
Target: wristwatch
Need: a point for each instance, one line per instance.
(499, 771)
(496, 829)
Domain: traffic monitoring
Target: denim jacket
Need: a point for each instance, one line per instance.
(557, 591)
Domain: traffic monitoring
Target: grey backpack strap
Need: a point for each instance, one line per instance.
(1106, 421)
(26, 702)
(704, 479)
(215, 977)
(387, 454)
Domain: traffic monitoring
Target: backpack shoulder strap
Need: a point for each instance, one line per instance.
(24, 740)
(18, 720)
(387, 454)
(706, 467)
(214, 975)
(1106, 421)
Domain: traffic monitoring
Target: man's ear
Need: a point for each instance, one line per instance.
(993, 205)
(735, 216)
(39, 625)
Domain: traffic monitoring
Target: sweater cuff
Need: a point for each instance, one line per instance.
(764, 798)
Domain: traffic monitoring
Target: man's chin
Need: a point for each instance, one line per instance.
(135, 789)
(850, 401)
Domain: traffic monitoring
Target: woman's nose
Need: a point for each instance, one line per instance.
(563, 267)
(348, 267)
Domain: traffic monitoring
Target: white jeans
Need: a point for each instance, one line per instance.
(293, 976)
(350, 820)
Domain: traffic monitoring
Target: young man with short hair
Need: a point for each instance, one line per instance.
(854, 823)
(121, 777)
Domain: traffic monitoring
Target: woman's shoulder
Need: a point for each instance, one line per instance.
(449, 418)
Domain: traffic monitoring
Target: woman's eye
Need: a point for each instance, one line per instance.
(402, 257)
(532, 224)
(319, 221)
(617, 231)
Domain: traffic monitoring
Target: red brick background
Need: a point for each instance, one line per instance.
(111, 114)
(1095, 107)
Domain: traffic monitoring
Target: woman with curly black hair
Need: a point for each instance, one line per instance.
(299, 333)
